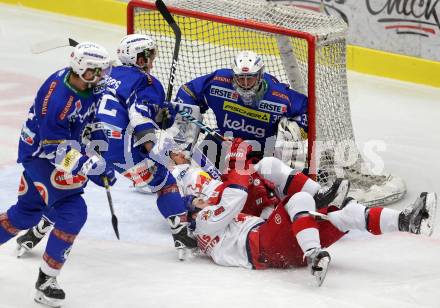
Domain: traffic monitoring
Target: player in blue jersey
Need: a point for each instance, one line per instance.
(246, 101)
(57, 164)
(129, 118)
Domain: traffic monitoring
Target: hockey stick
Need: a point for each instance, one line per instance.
(51, 44)
(163, 10)
(110, 204)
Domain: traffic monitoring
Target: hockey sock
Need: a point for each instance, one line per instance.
(304, 226)
(355, 216)
(57, 250)
(381, 220)
(300, 182)
(169, 201)
(7, 231)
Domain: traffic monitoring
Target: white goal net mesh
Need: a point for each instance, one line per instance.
(213, 31)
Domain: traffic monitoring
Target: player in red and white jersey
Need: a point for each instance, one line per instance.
(296, 233)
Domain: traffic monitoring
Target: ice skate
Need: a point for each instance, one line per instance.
(48, 291)
(181, 235)
(333, 195)
(419, 218)
(318, 261)
(32, 237)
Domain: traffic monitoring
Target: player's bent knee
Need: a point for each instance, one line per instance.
(301, 202)
(274, 170)
(71, 214)
(22, 218)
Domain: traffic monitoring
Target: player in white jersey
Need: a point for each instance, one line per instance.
(295, 234)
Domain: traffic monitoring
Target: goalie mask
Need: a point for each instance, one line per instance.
(90, 56)
(134, 46)
(248, 68)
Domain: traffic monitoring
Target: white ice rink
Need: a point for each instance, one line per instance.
(142, 270)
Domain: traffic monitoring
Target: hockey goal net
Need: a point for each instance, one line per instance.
(302, 48)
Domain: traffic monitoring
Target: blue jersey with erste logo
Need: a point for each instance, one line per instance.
(251, 121)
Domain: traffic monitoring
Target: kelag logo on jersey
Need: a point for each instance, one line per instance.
(224, 93)
(272, 107)
(258, 132)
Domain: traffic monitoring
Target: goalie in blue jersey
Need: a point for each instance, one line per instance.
(247, 103)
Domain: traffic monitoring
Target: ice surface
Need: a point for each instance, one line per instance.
(142, 269)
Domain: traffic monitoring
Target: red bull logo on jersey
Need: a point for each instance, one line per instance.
(224, 93)
(203, 179)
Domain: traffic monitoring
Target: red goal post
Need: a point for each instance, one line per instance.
(213, 31)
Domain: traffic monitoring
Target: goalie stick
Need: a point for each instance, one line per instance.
(52, 44)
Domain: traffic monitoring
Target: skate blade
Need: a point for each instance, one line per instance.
(320, 275)
(181, 253)
(22, 250)
(51, 302)
(427, 225)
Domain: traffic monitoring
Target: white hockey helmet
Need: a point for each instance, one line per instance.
(88, 55)
(134, 44)
(248, 68)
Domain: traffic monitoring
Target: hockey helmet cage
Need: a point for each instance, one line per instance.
(248, 68)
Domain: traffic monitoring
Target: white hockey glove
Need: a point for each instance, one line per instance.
(163, 146)
(290, 146)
